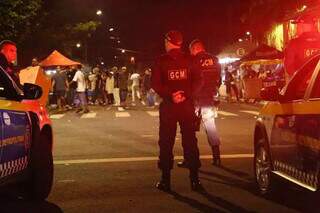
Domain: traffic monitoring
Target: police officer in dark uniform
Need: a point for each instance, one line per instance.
(175, 82)
(207, 99)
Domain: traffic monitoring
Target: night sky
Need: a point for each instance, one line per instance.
(141, 24)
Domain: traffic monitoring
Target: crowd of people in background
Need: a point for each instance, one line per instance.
(72, 87)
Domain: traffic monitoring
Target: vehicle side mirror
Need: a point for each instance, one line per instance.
(270, 94)
(31, 91)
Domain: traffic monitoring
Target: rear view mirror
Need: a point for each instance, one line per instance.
(31, 91)
(270, 94)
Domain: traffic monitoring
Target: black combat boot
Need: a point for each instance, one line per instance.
(194, 181)
(164, 184)
(216, 160)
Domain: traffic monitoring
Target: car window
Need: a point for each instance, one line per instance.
(315, 93)
(299, 83)
(3, 88)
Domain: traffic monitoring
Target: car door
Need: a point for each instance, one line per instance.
(286, 149)
(308, 134)
(15, 128)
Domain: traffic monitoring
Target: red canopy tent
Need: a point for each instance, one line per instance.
(57, 59)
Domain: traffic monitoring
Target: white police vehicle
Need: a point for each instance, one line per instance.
(25, 139)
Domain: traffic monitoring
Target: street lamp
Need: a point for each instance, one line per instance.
(132, 60)
(118, 42)
(99, 12)
(78, 45)
(123, 51)
(303, 8)
(240, 40)
(111, 29)
(250, 35)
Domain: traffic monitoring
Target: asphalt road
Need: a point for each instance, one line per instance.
(106, 161)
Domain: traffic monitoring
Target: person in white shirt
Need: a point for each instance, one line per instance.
(110, 87)
(135, 88)
(81, 91)
(92, 81)
(116, 89)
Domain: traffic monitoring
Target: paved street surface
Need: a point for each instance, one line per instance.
(106, 161)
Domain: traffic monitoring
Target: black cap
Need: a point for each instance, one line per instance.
(195, 41)
(174, 37)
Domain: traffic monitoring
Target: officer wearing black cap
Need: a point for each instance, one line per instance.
(176, 82)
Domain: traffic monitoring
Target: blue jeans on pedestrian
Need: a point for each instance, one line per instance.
(123, 95)
(81, 96)
(150, 98)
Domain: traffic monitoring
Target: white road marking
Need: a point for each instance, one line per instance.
(66, 181)
(220, 112)
(153, 113)
(121, 109)
(57, 116)
(122, 114)
(250, 112)
(141, 159)
(89, 115)
(148, 136)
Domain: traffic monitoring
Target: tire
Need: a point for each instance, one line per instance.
(41, 167)
(262, 168)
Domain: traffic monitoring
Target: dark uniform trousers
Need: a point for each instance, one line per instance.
(184, 114)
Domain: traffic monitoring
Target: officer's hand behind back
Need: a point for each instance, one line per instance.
(178, 97)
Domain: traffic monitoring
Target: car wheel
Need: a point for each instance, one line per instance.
(262, 168)
(41, 165)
